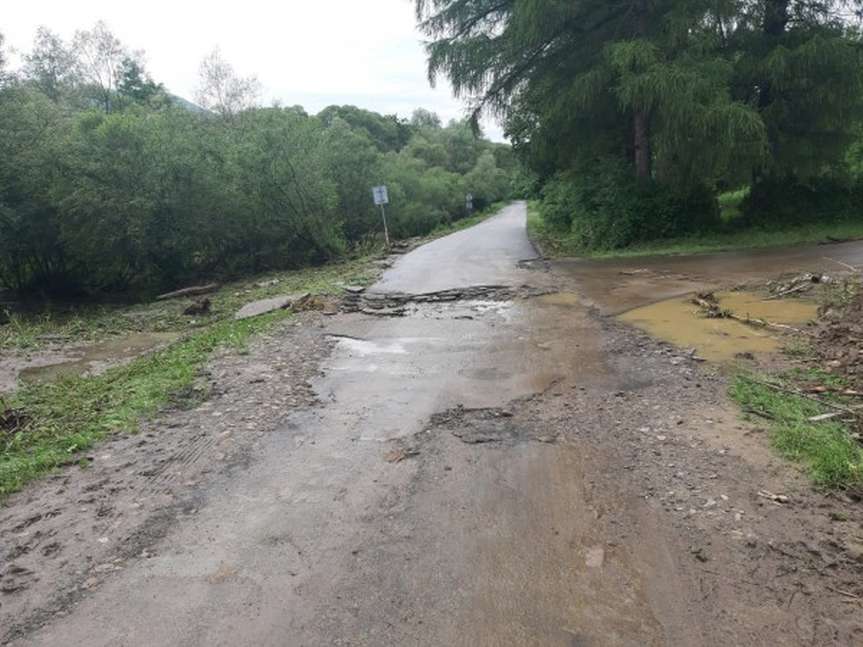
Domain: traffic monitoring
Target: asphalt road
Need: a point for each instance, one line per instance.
(321, 541)
(480, 472)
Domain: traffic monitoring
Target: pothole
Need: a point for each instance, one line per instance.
(495, 426)
(396, 303)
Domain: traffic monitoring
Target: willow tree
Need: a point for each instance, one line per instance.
(688, 91)
(801, 63)
(636, 78)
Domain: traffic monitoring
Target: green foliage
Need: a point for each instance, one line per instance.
(109, 186)
(832, 456)
(606, 208)
(733, 236)
(774, 202)
(67, 417)
(686, 95)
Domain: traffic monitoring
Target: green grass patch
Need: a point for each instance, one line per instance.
(64, 418)
(831, 456)
(555, 244)
(730, 204)
(84, 324)
(61, 419)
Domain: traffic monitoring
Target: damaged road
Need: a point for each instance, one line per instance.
(500, 465)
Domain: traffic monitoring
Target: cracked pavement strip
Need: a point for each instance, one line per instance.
(461, 483)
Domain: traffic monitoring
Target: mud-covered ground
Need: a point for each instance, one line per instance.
(65, 534)
(502, 466)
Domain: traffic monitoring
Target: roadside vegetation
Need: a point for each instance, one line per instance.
(651, 127)
(47, 425)
(44, 425)
(112, 187)
(826, 447)
(812, 403)
(556, 244)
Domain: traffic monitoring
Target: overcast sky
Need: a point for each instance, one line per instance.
(308, 52)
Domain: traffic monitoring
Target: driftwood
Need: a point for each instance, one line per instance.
(785, 293)
(189, 292)
(711, 307)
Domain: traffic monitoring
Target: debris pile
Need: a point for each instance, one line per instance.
(294, 302)
(711, 308)
(840, 341)
(797, 284)
(395, 303)
(11, 420)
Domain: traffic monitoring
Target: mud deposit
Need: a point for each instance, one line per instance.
(679, 322)
(47, 366)
(62, 536)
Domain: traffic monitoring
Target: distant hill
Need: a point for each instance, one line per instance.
(180, 102)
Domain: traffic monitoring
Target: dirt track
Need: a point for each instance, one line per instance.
(481, 471)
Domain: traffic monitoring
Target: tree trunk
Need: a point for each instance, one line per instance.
(641, 141)
(776, 17)
(641, 119)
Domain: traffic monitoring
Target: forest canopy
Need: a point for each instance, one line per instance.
(110, 184)
(634, 115)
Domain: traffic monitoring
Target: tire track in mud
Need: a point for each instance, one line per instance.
(63, 535)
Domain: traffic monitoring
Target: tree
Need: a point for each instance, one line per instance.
(100, 58)
(388, 132)
(222, 90)
(496, 51)
(422, 118)
(135, 84)
(689, 92)
(2, 60)
(51, 65)
(800, 63)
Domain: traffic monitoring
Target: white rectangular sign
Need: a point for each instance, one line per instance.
(379, 193)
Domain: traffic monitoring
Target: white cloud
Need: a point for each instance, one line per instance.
(309, 53)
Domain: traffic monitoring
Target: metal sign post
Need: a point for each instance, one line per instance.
(381, 198)
(468, 203)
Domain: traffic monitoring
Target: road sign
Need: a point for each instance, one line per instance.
(381, 197)
(379, 193)
(468, 202)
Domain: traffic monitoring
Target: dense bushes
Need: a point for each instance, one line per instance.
(774, 202)
(605, 207)
(153, 195)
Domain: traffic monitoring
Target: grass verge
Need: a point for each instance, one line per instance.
(84, 324)
(51, 424)
(59, 420)
(826, 448)
(556, 245)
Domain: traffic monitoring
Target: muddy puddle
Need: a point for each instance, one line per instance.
(681, 323)
(89, 360)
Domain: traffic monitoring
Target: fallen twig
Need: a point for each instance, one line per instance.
(191, 291)
(779, 499)
(800, 394)
(713, 310)
(785, 293)
(826, 416)
(845, 593)
(842, 263)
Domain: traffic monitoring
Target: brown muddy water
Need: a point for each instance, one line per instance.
(47, 366)
(680, 322)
